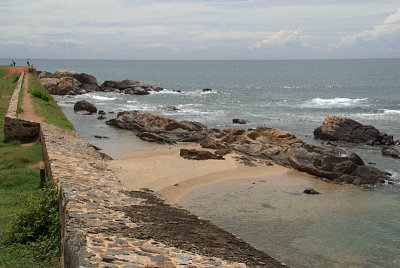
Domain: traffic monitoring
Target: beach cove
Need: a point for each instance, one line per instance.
(208, 200)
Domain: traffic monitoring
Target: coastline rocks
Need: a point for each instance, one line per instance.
(62, 86)
(154, 128)
(193, 154)
(339, 128)
(390, 152)
(238, 121)
(64, 82)
(85, 106)
(262, 143)
(206, 90)
(128, 87)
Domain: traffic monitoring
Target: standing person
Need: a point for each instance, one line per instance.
(13, 62)
(27, 62)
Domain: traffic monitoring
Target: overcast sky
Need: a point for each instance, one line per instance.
(199, 29)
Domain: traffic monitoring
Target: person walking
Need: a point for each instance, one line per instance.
(13, 62)
(27, 62)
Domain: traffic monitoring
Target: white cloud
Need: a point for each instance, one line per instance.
(282, 38)
(390, 26)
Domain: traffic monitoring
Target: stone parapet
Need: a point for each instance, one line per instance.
(15, 128)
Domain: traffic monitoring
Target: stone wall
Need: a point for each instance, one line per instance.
(15, 128)
(97, 228)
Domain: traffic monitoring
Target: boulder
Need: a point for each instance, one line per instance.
(206, 90)
(390, 152)
(238, 121)
(140, 91)
(61, 86)
(85, 106)
(101, 117)
(151, 127)
(64, 82)
(194, 154)
(101, 112)
(170, 108)
(310, 191)
(339, 128)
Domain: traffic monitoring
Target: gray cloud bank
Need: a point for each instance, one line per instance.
(196, 29)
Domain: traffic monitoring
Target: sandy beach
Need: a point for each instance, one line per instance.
(164, 171)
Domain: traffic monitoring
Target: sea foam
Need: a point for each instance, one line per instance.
(332, 103)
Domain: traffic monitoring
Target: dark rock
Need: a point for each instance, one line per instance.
(85, 106)
(356, 159)
(170, 108)
(310, 191)
(101, 112)
(140, 91)
(105, 156)
(101, 137)
(101, 117)
(369, 175)
(194, 154)
(391, 152)
(206, 90)
(238, 121)
(338, 128)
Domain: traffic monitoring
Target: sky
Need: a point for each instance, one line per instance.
(199, 29)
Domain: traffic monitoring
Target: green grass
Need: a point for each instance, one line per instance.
(17, 184)
(50, 110)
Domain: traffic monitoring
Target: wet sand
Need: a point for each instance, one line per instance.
(164, 171)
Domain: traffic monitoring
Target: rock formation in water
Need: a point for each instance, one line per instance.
(85, 106)
(262, 143)
(128, 87)
(390, 152)
(154, 128)
(339, 128)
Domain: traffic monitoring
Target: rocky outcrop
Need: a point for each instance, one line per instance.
(154, 128)
(64, 82)
(193, 154)
(390, 152)
(339, 128)
(262, 143)
(238, 121)
(85, 106)
(128, 87)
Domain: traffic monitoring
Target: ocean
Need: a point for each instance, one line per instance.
(356, 228)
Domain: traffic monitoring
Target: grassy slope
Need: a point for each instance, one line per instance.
(49, 110)
(15, 180)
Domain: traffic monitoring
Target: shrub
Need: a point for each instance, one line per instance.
(38, 223)
(40, 94)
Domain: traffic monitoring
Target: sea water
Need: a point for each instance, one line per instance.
(356, 228)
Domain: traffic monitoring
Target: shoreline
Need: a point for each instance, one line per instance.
(162, 170)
